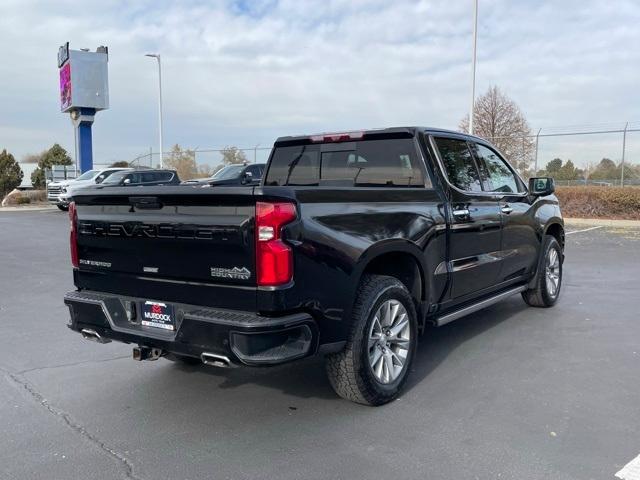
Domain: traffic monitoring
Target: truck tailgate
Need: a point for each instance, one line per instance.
(182, 235)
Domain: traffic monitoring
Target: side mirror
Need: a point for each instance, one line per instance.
(126, 181)
(247, 177)
(541, 186)
(99, 178)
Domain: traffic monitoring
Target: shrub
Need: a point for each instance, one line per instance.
(36, 195)
(600, 202)
(23, 200)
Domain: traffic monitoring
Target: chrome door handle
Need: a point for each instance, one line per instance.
(507, 209)
(462, 212)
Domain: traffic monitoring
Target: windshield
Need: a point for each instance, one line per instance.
(230, 171)
(115, 177)
(87, 175)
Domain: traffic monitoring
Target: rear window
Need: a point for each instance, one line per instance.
(369, 163)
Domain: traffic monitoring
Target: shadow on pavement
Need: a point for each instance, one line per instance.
(307, 378)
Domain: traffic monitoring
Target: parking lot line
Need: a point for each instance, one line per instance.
(584, 230)
(631, 471)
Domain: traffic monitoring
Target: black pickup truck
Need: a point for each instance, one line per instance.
(350, 247)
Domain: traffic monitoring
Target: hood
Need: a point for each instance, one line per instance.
(59, 183)
(228, 181)
(79, 184)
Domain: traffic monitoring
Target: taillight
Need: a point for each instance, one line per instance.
(336, 137)
(73, 236)
(274, 258)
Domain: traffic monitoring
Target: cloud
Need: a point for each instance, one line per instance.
(243, 72)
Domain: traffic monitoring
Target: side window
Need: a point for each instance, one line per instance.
(459, 164)
(499, 175)
(132, 177)
(148, 177)
(164, 176)
(255, 171)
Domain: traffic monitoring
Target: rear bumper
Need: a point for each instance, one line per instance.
(242, 337)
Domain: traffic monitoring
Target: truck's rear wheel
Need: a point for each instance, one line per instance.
(548, 281)
(375, 363)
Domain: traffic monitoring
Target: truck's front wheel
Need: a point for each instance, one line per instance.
(376, 360)
(548, 280)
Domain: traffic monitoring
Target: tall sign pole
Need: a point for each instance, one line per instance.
(157, 57)
(473, 65)
(84, 90)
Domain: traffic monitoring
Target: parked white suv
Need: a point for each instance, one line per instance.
(61, 193)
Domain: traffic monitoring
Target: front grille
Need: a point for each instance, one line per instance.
(53, 190)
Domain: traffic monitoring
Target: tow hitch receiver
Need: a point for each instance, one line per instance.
(146, 353)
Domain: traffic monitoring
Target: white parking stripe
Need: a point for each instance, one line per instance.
(631, 471)
(584, 230)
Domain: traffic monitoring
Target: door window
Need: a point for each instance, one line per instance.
(459, 164)
(148, 177)
(255, 171)
(164, 176)
(134, 177)
(499, 177)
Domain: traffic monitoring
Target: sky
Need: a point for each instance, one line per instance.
(241, 72)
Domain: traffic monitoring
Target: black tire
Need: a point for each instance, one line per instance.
(185, 360)
(540, 295)
(64, 208)
(350, 372)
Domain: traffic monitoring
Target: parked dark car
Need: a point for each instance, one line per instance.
(353, 244)
(250, 174)
(134, 178)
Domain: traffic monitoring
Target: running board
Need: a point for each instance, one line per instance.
(450, 317)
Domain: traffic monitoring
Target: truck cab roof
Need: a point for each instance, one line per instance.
(351, 135)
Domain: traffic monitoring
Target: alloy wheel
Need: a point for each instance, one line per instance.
(389, 340)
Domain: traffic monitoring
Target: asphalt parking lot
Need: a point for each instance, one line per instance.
(510, 392)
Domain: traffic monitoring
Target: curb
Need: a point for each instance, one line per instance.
(602, 222)
(43, 208)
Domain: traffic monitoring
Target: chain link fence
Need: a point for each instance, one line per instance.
(206, 158)
(585, 145)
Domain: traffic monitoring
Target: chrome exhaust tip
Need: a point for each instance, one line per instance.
(215, 360)
(94, 336)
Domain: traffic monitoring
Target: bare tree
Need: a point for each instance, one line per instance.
(183, 162)
(499, 119)
(233, 155)
(204, 171)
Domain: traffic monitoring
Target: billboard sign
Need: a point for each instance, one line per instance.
(83, 79)
(65, 87)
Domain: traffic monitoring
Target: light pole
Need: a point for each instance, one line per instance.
(157, 57)
(473, 67)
